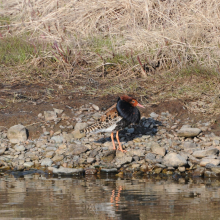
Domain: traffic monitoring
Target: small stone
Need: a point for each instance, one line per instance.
(77, 134)
(19, 147)
(28, 164)
(188, 144)
(182, 169)
(90, 171)
(64, 117)
(2, 150)
(80, 126)
(130, 130)
(174, 159)
(154, 115)
(95, 107)
(57, 158)
(79, 149)
(17, 133)
(216, 169)
(90, 160)
(50, 115)
(66, 171)
(57, 139)
(188, 132)
(50, 154)
(199, 172)
(58, 111)
(40, 115)
(205, 153)
(46, 162)
(157, 170)
(205, 161)
(111, 170)
(158, 150)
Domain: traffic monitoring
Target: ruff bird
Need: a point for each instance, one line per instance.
(117, 117)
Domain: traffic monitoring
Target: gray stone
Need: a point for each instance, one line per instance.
(57, 158)
(130, 130)
(66, 171)
(90, 160)
(17, 133)
(150, 157)
(188, 144)
(95, 107)
(58, 111)
(123, 160)
(216, 169)
(111, 170)
(49, 154)
(19, 147)
(2, 150)
(205, 161)
(58, 139)
(96, 115)
(188, 132)
(28, 164)
(79, 149)
(68, 137)
(199, 172)
(174, 160)
(154, 115)
(157, 149)
(80, 126)
(46, 162)
(77, 134)
(50, 115)
(205, 153)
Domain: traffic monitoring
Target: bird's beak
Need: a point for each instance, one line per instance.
(140, 105)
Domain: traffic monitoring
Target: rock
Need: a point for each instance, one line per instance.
(50, 115)
(216, 169)
(157, 149)
(2, 150)
(46, 162)
(64, 117)
(199, 172)
(17, 133)
(188, 132)
(210, 174)
(138, 152)
(66, 171)
(28, 164)
(95, 107)
(188, 144)
(150, 157)
(123, 160)
(78, 135)
(57, 139)
(108, 156)
(19, 147)
(50, 154)
(57, 158)
(174, 160)
(96, 115)
(58, 111)
(157, 170)
(205, 161)
(111, 170)
(90, 160)
(68, 137)
(182, 169)
(130, 130)
(205, 153)
(79, 149)
(154, 115)
(80, 126)
(90, 171)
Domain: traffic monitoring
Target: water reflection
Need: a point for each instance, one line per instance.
(36, 195)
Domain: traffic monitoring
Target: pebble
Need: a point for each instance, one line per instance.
(150, 148)
(17, 133)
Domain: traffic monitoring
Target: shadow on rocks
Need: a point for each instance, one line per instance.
(146, 126)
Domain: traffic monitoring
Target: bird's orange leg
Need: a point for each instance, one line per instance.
(112, 137)
(120, 147)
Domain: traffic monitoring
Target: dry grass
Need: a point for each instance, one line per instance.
(175, 33)
(160, 48)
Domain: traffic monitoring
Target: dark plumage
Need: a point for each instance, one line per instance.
(117, 117)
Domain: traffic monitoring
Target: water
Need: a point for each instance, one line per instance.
(38, 196)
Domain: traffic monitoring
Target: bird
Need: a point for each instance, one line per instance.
(116, 118)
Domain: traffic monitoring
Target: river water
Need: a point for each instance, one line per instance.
(35, 195)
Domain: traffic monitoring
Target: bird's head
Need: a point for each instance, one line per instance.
(133, 102)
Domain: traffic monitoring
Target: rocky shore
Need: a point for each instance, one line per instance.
(159, 145)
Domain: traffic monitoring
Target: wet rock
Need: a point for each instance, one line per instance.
(204, 153)
(210, 174)
(110, 170)
(66, 171)
(57, 139)
(17, 133)
(188, 132)
(90, 171)
(46, 162)
(50, 115)
(205, 161)
(216, 169)
(199, 172)
(174, 159)
(28, 164)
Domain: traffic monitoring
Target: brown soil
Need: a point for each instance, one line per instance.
(21, 103)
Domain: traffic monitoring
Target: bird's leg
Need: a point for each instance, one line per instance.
(120, 148)
(112, 137)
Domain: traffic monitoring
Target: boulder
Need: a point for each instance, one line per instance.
(17, 133)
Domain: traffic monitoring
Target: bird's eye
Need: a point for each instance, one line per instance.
(133, 101)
